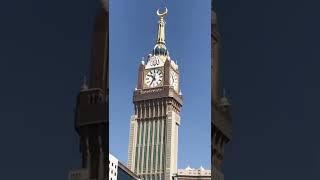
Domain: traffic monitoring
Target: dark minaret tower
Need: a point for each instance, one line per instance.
(91, 111)
(221, 117)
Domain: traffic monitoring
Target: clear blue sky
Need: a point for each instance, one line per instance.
(133, 28)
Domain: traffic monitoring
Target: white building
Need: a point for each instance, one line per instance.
(193, 174)
(113, 167)
(118, 171)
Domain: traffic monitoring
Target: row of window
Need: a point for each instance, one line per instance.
(114, 173)
(113, 165)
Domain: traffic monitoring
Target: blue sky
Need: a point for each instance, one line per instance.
(133, 28)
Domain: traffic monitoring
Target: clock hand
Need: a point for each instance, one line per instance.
(153, 78)
(151, 82)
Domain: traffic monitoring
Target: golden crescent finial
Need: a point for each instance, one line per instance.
(162, 14)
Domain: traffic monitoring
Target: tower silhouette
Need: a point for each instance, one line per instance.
(221, 109)
(91, 111)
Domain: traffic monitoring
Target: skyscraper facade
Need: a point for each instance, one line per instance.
(154, 126)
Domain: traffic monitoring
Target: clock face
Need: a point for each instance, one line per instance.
(174, 80)
(153, 78)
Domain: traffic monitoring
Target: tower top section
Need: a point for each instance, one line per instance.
(160, 48)
(161, 27)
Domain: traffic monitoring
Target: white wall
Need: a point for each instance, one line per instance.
(113, 167)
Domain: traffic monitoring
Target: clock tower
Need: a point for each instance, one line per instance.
(157, 99)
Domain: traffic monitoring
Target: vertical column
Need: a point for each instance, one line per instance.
(138, 167)
(130, 146)
(136, 158)
(158, 127)
(142, 170)
(161, 147)
(148, 147)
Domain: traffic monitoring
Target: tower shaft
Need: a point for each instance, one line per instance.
(153, 145)
(100, 42)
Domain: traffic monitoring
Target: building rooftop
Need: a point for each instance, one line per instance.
(194, 172)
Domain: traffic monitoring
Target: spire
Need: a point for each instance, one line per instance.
(161, 27)
(142, 61)
(201, 168)
(84, 84)
(188, 168)
(224, 102)
(160, 48)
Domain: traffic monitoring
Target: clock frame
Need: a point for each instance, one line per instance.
(153, 78)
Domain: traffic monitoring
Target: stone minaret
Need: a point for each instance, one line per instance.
(91, 112)
(221, 115)
(157, 99)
